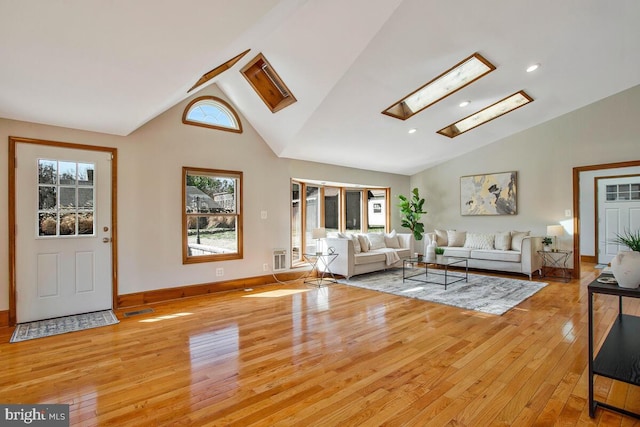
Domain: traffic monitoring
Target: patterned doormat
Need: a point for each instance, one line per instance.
(62, 325)
(486, 294)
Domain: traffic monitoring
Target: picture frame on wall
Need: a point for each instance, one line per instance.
(489, 194)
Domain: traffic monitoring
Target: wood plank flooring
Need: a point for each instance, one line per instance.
(297, 355)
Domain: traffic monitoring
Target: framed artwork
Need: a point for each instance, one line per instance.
(488, 194)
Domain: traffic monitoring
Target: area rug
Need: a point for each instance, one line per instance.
(486, 294)
(62, 325)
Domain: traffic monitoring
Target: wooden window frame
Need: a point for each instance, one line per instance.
(238, 214)
(223, 104)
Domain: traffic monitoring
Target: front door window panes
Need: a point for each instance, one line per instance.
(66, 198)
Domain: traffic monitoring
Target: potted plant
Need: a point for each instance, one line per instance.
(626, 265)
(629, 239)
(439, 253)
(412, 210)
(547, 242)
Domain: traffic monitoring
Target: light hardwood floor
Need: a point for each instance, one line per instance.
(294, 354)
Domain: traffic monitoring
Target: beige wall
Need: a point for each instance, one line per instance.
(150, 162)
(544, 156)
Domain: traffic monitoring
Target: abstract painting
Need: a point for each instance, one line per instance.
(488, 194)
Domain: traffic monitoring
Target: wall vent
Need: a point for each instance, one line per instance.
(279, 259)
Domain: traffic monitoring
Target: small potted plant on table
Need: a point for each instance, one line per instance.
(547, 242)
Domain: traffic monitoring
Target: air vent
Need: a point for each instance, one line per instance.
(267, 84)
(279, 259)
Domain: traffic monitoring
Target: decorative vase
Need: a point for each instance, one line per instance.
(430, 252)
(626, 269)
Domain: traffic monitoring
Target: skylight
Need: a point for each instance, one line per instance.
(218, 70)
(452, 80)
(487, 114)
(212, 112)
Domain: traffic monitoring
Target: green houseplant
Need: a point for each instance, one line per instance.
(411, 210)
(631, 239)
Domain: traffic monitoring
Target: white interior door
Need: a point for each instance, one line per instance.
(618, 211)
(63, 231)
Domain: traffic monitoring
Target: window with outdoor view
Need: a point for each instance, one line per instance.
(212, 215)
(212, 112)
(335, 209)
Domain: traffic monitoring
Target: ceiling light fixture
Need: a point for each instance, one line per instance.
(414, 130)
(464, 103)
(532, 68)
(487, 114)
(452, 80)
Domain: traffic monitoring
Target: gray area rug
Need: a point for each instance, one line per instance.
(487, 294)
(62, 325)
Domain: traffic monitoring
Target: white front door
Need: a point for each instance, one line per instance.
(63, 231)
(618, 211)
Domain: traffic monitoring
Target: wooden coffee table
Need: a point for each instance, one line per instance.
(417, 270)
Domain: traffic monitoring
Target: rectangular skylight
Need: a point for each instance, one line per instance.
(489, 113)
(452, 80)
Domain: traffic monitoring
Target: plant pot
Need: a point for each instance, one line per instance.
(626, 269)
(546, 248)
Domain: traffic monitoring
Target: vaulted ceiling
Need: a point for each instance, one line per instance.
(113, 66)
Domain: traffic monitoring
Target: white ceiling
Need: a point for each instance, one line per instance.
(112, 66)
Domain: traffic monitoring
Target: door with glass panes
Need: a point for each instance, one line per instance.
(63, 231)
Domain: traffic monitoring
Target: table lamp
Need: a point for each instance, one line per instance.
(555, 231)
(318, 233)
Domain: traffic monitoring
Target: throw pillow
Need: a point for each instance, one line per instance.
(516, 239)
(376, 241)
(503, 240)
(479, 241)
(342, 236)
(391, 240)
(364, 243)
(456, 238)
(356, 243)
(441, 237)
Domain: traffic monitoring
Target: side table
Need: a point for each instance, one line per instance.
(316, 275)
(556, 261)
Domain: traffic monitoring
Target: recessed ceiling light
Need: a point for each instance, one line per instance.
(489, 113)
(413, 130)
(464, 103)
(532, 68)
(452, 80)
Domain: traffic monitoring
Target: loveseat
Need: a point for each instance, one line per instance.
(365, 253)
(510, 251)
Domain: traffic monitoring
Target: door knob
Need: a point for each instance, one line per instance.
(106, 240)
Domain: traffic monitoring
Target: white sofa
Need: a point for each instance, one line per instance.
(511, 251)
(364, 253)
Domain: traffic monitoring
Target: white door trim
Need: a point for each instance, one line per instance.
(13, 141)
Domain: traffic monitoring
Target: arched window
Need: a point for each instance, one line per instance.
(212, 112)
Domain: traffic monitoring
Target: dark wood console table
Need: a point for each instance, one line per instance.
(619, 356)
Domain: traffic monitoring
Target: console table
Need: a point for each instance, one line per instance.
(556, 260)
(619, 356)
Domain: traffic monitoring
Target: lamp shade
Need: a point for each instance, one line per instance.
(555, 230)
(319, 233)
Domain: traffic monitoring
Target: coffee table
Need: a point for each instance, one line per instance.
(412, 269)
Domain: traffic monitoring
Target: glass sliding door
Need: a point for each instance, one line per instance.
(332, 209)
(312, 216)
(353, 211)
(376, 210)
(296, 222)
